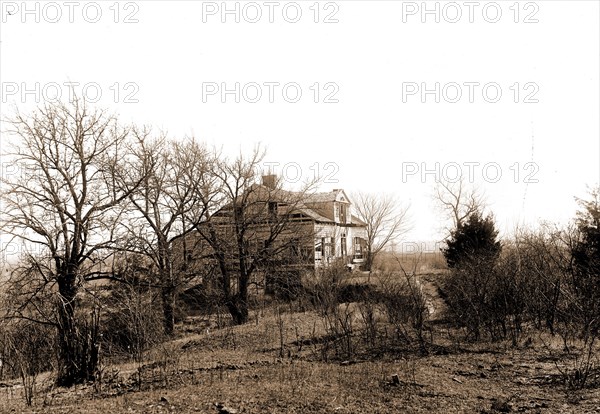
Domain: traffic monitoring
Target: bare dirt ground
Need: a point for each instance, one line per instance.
(275, 365)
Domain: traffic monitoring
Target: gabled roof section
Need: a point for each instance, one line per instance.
(260, 191)
(358, 221)
(315, 215)
(315, 206)
(330, 196)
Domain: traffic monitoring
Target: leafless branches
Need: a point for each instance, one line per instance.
(244, 232)
(458, 201)
(164, 206)
(385, 218)
(63, 199)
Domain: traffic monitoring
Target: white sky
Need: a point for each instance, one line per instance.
(374, 136)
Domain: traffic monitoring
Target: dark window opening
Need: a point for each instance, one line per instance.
(272, 207)
(342, 213)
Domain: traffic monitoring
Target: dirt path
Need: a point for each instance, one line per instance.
(435, 303)
(429, 283)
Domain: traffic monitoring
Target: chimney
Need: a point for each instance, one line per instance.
(269, 181)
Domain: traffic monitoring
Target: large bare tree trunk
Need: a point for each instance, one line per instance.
(168, 304)
(238, 309)
(77, 345)
(168, 287)
(67, 336)
(238, 304)
(369, 261)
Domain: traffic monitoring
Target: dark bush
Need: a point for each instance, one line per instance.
(132, 321)
(473, 243)
(475, 289)
(26, 348)
(284, 284)
(358, 292)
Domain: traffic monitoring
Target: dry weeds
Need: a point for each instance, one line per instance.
(274, 365)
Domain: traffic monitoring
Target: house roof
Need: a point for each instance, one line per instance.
(312, 205)
(314, 215)
(261, 190)
(358, 221)
(321, 197)
(335, 195)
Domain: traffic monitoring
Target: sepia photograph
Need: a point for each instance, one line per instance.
(310, 206)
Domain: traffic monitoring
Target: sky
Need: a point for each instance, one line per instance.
(376, 96)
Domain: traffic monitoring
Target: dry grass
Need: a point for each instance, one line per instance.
(273, 364)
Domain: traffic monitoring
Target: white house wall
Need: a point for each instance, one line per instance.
(336, 231)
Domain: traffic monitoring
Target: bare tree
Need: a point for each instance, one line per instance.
(164, 207)
(386, 220)
(458, 201)
(62, 204)
(250, 227)
(544, 261)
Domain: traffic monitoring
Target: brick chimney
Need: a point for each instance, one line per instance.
(269, 181)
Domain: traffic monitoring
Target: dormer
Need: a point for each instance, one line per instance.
(333, 205)
(341, 207)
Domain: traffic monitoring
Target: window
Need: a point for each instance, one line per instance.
(343, 245)
(342, 213)
(294, 249)
(324, 247)
(272, 205)
(318, 249)
(268, 247)
(358, 248)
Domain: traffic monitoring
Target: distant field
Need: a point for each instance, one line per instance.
(424, 262)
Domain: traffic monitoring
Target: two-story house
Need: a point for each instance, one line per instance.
(269, 237)
(285, 234)
(327, 219)
(320, 230)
